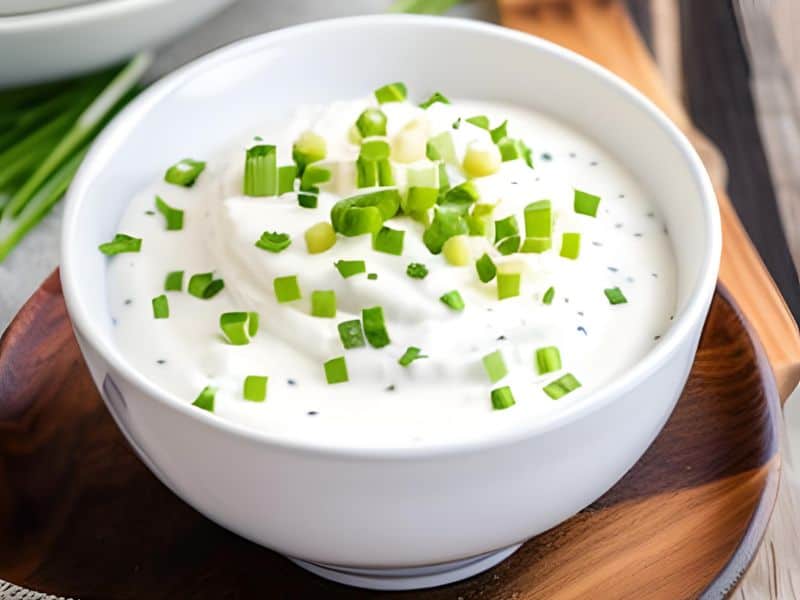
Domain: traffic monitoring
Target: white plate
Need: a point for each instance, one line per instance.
(23, 7)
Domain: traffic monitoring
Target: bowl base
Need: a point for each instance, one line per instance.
(409, 578)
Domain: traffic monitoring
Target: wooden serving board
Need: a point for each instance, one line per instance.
(81, 516)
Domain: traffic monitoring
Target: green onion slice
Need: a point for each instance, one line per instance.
(286, 177)
(486, 268)
(454, 300)
(586, 203)
(313, 176)
(411, 354)
(204, 286)
(351, 334)
(348, 268)
(205, 399)
(391, 92)
(173, 216)
(273, 241)
(371, 122)
(538, 219)
(121, 243)
(508, 285)
(261, 171)
(441, 147)
(435, 97)
(323, 304)
(460, 198)
(307, 149)
(173, 281)
(184, 172)
(445, 225)
(495, 366)
(615, 296)
(365, 213)
(562, 386)
(286, 288)
(549, 295)
(239, 327)
(502, 398)
(160, 307)
(571, 245)
(336, 370)
(505, 228)
(374, 149)
(417, 271)
(548, 360)
(481, 121)
(388, 240)
(499, 132)
(509, 245)
(255, 388)
(375, 327)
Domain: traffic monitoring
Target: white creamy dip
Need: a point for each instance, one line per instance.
(445, 396)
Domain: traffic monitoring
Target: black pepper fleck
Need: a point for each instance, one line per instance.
(671, 317)
(618, 225)
(638, 235)
(613, 269)
(547, 156)
(312, 413)
(150, 212)
(656, 337)
(580, 313)
(372, 276)
(161, 361)
(598, 244)
(114, 321)
(654, 275)
(128, 302)
(390, 388)
(651, 214)
(514, 182)
(291, 382)
(629, 279)
(582, 329)
(621, 196)
(572, 155)
(593, 163)
(501, 338)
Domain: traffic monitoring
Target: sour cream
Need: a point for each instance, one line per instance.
(446, 395)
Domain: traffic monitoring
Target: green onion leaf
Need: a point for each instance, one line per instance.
(272, 241)
(549, 295)
(536, 245)
(375, 327)
(411, 354)
(388, 240)
(308, 198)
(261, 171)
(206, 399)
(486, 268)
(454, 300)
(417, 271)
(121, 243)
(562, 386)
(255, 388)
(313, 176)
(481, 121)
(364, 213)
(174, 281)
(160, 307)
(615, 296)
(286, 288)
(391, 92)
(571, 245)
(509, 245)
(239, 327)
(286, 177)
(548, 360)
(372, 276)
(336, 370)
(435, 97)
(499, 132)
(371, 122)
(173, 216)
(351, 334)
(348, 268)
(440, 147)
(307, 149)
(586, 204)
(445, 225)
(460, 198)
(495, 366)
(504, 228)
(502, 398)
(204, 286)
(375, 150)
(508, 285)
(184, 172)
(323, 304)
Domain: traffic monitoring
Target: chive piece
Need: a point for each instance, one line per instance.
(364, 213)
(586, 204)
(261, 171)
(440, 147)
(417, 271)
(457, 123)
(480, 221)
(375, 327)
(238, 327)
(481, 159)
(307, 149)
(320, 237)
(388, 240)
(499, 132)
(495, 366)
(548, 359)
(313, 176)
(549, 295)
(457, 251)
(348, 268)
(411, 354)
(505, 228)
(323, 304)
(527, 154)
(486, 268)
(173, 281)
(371, 122)
(272, 241)
(205, 399)
(308, 198)
(286, 288)
(460, 198)
(562, 386)
(255, 388)
(374, 150)
(173, 216)
(184, 172)
(160, 307)
(204, 286)
(435, 97)
(445, 225)
(420, 199)
(385, 175)
(502, 398)
(121, 243)
(391, 92)
(508, 285)
(509, 245)
(336, 370)
(454, 300)
(366, 173)
(615, 296)
(481, 121)
(351, 334)
(286, 177)
(372, 276)
(538, 219)
(571, 245)
(536, 245)
(511, 149)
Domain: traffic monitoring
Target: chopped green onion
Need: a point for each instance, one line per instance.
(323, 304)
(481, 121)
(255, 388)
(367, 173)
(445, 225)
(586, 204)
(375, 327)
(536, 245)
(457, 123)
(495, 366)
(351, 334)
(615, 296)
(417, 271)
(548, 360)
(375, 150)
(364, 213)
(385, 175)
(527, 154)
(422, 7)
(185, 172)
(391, 92)
(286, 177)
(308, 198)
(460, 198)
(336, 370)
(480, 221)
(307, 149)
(549, 295)
(538, 219)
(313, 176)
(371, 122)
(454, 300)
(504, 228)
(261, 171)
(419, 199)
(160, 307)
(457, 251)
(320, 237)
(272, 241)
(502, 398)
(508, 285)
(499, 132)
(286, 288)
(205, 399)
(409, 145)
(388, 240)
(411, 354)
(571, 245)
(239, 327)
(204, 286)
(372, 276)
(486, 268)
(481, 160)
(121, 243)
(511, 149)
(173, 281)
(173, 216)
(509, 245)
(435, 97)
(562, 386)
(348, 268)
(440, 147)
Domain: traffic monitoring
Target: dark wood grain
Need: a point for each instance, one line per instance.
(81, 516)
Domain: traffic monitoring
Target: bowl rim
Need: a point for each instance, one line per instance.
(686, 323)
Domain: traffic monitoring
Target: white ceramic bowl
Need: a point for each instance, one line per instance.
(76, 39)
(382, 517)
